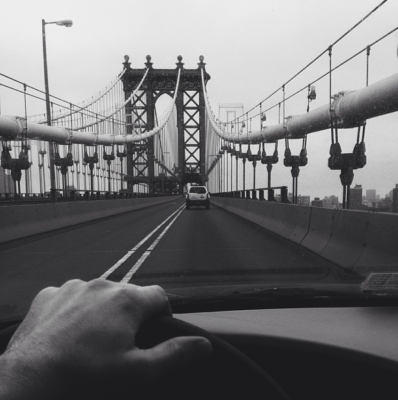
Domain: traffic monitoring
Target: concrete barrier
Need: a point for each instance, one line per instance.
(26, 220)
(9, 228)
(236, 206)
(289, 220)
(269, 215)
(302, 224)
(46, 218)
(356, 240)
(320, 229)
(98, 210)
(348, 239)
(381, 246)
(235, 209)
(256, 211)
(276, 223)
(63, 214)
(82, 211)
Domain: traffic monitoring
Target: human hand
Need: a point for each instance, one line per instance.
(79, 339)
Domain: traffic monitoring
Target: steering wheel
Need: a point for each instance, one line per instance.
(229, 374)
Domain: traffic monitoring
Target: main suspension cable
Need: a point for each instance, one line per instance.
(319, 56)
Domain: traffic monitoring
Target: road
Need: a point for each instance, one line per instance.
(164, 244)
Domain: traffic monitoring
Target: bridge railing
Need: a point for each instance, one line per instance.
(74, 195)
(258, 194)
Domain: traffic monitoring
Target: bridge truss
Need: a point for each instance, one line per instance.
(189, 131)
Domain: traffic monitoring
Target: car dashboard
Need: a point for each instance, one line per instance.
(316, 353)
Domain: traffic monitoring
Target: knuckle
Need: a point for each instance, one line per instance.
(46, 292)
(99, 283)
(158, 290)
(154, 295)
(126, 292)
(72, 283)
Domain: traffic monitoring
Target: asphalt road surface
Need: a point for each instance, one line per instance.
(164, 244)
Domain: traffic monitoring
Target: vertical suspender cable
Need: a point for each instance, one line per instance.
(367, 65)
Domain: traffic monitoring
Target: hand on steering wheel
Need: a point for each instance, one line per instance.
(121, 340)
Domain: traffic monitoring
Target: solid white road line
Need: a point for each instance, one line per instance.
(134, 249)
(147, 253)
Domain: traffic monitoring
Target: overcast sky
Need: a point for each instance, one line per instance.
(250, 47)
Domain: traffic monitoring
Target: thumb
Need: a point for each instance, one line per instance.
(177, 355)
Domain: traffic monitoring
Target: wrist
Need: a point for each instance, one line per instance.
(24, 378)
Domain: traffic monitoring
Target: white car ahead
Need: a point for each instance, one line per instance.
(198, 196)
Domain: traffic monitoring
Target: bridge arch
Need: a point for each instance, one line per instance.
(190, 107)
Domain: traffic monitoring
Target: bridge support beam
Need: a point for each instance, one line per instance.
(351, 108)
(180, 133)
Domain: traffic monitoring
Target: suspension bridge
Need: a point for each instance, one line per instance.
(118, 134)
(111, 154)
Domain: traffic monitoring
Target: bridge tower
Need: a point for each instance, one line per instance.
(190, 130)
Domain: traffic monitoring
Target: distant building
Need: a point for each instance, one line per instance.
(303, 200)
(326, 202)
(395, 199)
(331, 202)
(317, 202)
(371, 195)
(334, 201)
(385, 205)
(356, 198)
(374, 204)
(368, 204)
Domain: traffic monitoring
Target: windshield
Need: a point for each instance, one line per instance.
(285, 112)
(199, 190)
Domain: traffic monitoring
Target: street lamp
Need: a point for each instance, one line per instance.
(68, 23)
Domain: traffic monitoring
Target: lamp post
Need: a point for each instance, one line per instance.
(68, 23)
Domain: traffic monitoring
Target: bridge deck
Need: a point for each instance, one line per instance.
(201, 248)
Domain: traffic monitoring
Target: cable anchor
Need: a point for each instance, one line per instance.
(295, 162)
(269, 161)
(346, 162)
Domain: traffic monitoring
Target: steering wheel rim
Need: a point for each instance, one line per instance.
(229, 368)
(226, 359)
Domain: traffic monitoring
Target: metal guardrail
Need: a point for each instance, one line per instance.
(257, 194)
(7, 199)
